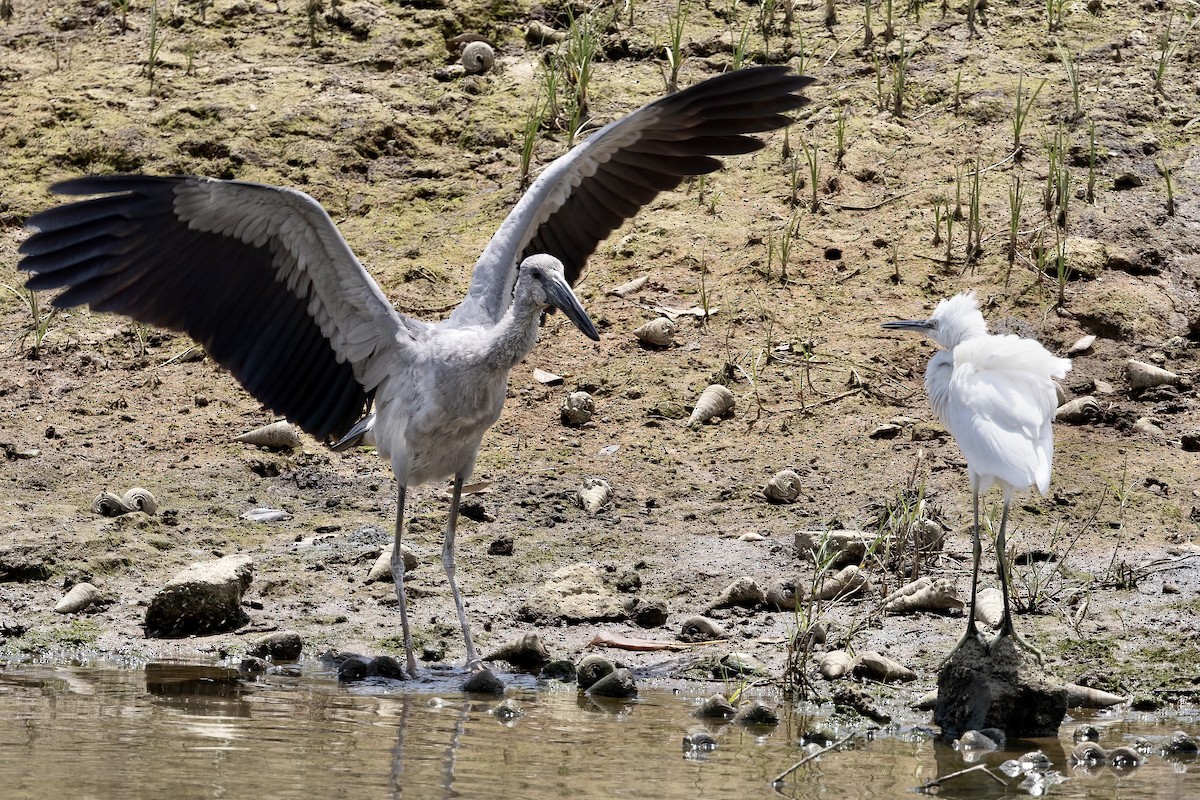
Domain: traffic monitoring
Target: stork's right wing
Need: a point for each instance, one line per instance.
(585, 194)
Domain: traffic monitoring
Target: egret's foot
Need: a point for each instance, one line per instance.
(972, 635)
(475, 665)
(1018, 641)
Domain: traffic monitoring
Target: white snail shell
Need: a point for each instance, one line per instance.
(715, 401)
(478, 57)
(657, 332)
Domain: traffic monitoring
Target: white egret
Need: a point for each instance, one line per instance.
(262, 278)
(996, 396)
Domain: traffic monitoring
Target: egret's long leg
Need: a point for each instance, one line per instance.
(473, 660)
(398, 578)
(1006, 625)
(977, 548)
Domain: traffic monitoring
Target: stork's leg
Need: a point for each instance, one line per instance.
(977, 548)
(398, 578)
(473, 660)
(1006, 625)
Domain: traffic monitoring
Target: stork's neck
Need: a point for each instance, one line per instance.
(516, 333)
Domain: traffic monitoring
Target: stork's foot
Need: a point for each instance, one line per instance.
(1007, 632)
(972, 635)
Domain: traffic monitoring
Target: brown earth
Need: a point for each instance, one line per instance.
(418, 171)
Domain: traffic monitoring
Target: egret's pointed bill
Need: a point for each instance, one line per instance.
(910, 325)
(559, 295)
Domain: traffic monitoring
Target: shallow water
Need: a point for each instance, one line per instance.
(168, 730)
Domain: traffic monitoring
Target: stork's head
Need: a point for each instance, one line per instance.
(956, 319)
(543, 278)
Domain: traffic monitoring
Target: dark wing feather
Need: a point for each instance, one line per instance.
(583, 196)
(258, 275)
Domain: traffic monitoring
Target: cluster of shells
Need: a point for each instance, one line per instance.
(136, 499)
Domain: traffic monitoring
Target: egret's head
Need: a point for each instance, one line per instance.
(543, 277)
(955, 320)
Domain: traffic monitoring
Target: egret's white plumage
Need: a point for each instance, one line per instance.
(996, 396)
(262, 278)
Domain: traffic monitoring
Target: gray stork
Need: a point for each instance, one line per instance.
(261, 277)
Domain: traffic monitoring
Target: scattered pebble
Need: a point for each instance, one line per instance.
(739, 664)
(1081, 345)
(381, 570)
(278, 646)
(742, 592)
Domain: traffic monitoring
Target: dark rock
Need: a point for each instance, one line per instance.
(253, 665)
(700, 741)
(354, 668)
(1086, 733)
(507, 710)
(483, 682)
(1180, 742)
(649, 612)
(502, 545)
(1190, 441)
(561, 670)
(997, 688)
(386, 667)
(280, 646)
(618, 683)
(204, 598)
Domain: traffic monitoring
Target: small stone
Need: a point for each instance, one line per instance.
(1127, 180)
(386, 667)
(507, 710)
(1190, 441)
(853, 699)
(1180, 742)
(755, 713)
(252, 665)
(559, 670)
(700, 741)
(206, 597)
(650, 613)
(1085, 733)
(502, 545)
(886, 431)
(618, 683)
(381, 570)
(353, 669)
(278, 646)
(716, 706)
(1170, 588)
(483, 682)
